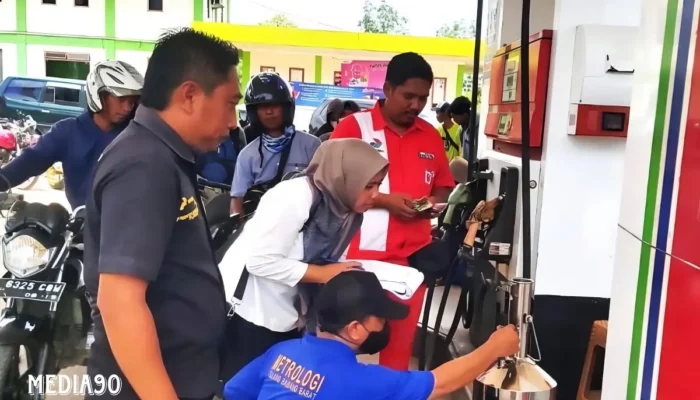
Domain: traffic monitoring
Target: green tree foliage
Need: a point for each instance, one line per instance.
(458, 29)
(382, 19)
(279, 20)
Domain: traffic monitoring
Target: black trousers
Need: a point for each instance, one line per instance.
(245, 342)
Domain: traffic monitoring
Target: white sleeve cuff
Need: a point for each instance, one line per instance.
(297, 272)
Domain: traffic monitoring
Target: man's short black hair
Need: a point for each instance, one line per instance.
(186, 55)
(460, 106)
(406, 66)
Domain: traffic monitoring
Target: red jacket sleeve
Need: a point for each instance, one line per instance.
(347, 128)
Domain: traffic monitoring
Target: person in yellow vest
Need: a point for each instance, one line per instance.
(449, 131)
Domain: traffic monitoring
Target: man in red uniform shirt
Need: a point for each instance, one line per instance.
(418, 168)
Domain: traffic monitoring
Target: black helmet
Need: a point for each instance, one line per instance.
(268, 88)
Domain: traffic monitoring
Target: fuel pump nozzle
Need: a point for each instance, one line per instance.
(518, 375)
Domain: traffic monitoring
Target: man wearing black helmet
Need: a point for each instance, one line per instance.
(279, 149)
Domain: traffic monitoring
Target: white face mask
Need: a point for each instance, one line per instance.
(334, 123)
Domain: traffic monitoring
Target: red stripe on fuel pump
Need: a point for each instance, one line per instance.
(677, 372)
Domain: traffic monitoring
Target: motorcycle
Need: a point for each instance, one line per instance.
(16, 135)
(46, 311)
(224, 227)
(209, 190)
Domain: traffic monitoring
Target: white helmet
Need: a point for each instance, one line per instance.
(114, 77)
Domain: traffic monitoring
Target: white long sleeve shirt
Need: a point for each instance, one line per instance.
(271, 247)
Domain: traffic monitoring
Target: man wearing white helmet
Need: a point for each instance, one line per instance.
(113, 89)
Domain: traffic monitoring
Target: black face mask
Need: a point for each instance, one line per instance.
(376, 341)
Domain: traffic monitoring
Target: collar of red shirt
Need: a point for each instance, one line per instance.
(378, 121)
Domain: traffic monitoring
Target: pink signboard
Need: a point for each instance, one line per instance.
(363, 73)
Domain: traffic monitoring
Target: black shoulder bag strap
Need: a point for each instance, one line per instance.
(449, 137)
(243, 280)
(283, 162)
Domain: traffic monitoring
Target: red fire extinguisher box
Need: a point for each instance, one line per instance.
(504, 119)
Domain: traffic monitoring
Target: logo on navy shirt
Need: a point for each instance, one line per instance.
(188, 213)
(377, 144)
(426, 156)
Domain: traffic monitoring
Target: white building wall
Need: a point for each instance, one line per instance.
(36, 66)
(8, 60)
(447, 70)
(138, 59)
(282, 62)
(134, 21)
(330, 65)
(8, 16)
(64, 18)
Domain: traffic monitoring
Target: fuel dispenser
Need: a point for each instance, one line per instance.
(486, 303)
(504, 122)
(492, 296)
(519, 377)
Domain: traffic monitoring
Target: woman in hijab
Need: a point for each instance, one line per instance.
(299, 231)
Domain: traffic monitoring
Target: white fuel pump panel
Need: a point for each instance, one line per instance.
(602, 77)
(603, 65)
(496, 162)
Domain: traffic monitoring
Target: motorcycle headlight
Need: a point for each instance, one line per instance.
(25, 256)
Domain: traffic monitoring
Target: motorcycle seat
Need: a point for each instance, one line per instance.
(218, 209)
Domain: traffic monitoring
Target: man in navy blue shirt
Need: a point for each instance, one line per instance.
(113, 89)
(218, 166)
(352, 313)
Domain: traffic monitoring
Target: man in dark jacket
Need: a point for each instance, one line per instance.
(336, 111)
(113, 89)
(460, 111)
(218, 166)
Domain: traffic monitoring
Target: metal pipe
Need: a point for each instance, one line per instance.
(520, 309)
(430, 351)
(525, 118)
(426, 321)
(473, 136)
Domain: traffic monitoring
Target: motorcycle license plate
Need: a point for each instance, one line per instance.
(31, 290)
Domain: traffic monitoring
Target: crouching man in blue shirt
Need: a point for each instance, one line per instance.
(353, 310)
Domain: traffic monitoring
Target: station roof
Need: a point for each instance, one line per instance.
(460, 50)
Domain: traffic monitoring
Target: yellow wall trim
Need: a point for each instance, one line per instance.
(339, 40)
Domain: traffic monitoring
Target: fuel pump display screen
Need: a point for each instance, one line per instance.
(510, 77)
(504, 124)
(613, 121)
